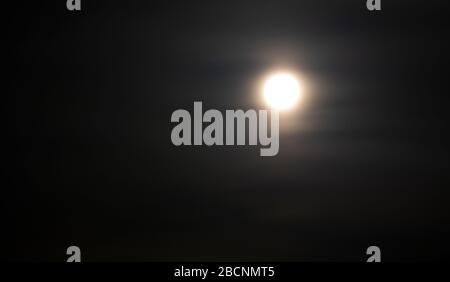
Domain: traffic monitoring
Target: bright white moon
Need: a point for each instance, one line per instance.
(281, 91)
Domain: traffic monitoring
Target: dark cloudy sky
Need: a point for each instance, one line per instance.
(89, 160)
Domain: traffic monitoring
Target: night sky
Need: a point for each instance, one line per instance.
(88, 159)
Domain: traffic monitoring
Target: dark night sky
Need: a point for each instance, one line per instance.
(89, 160)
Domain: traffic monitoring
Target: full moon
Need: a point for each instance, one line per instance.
(282, 91)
